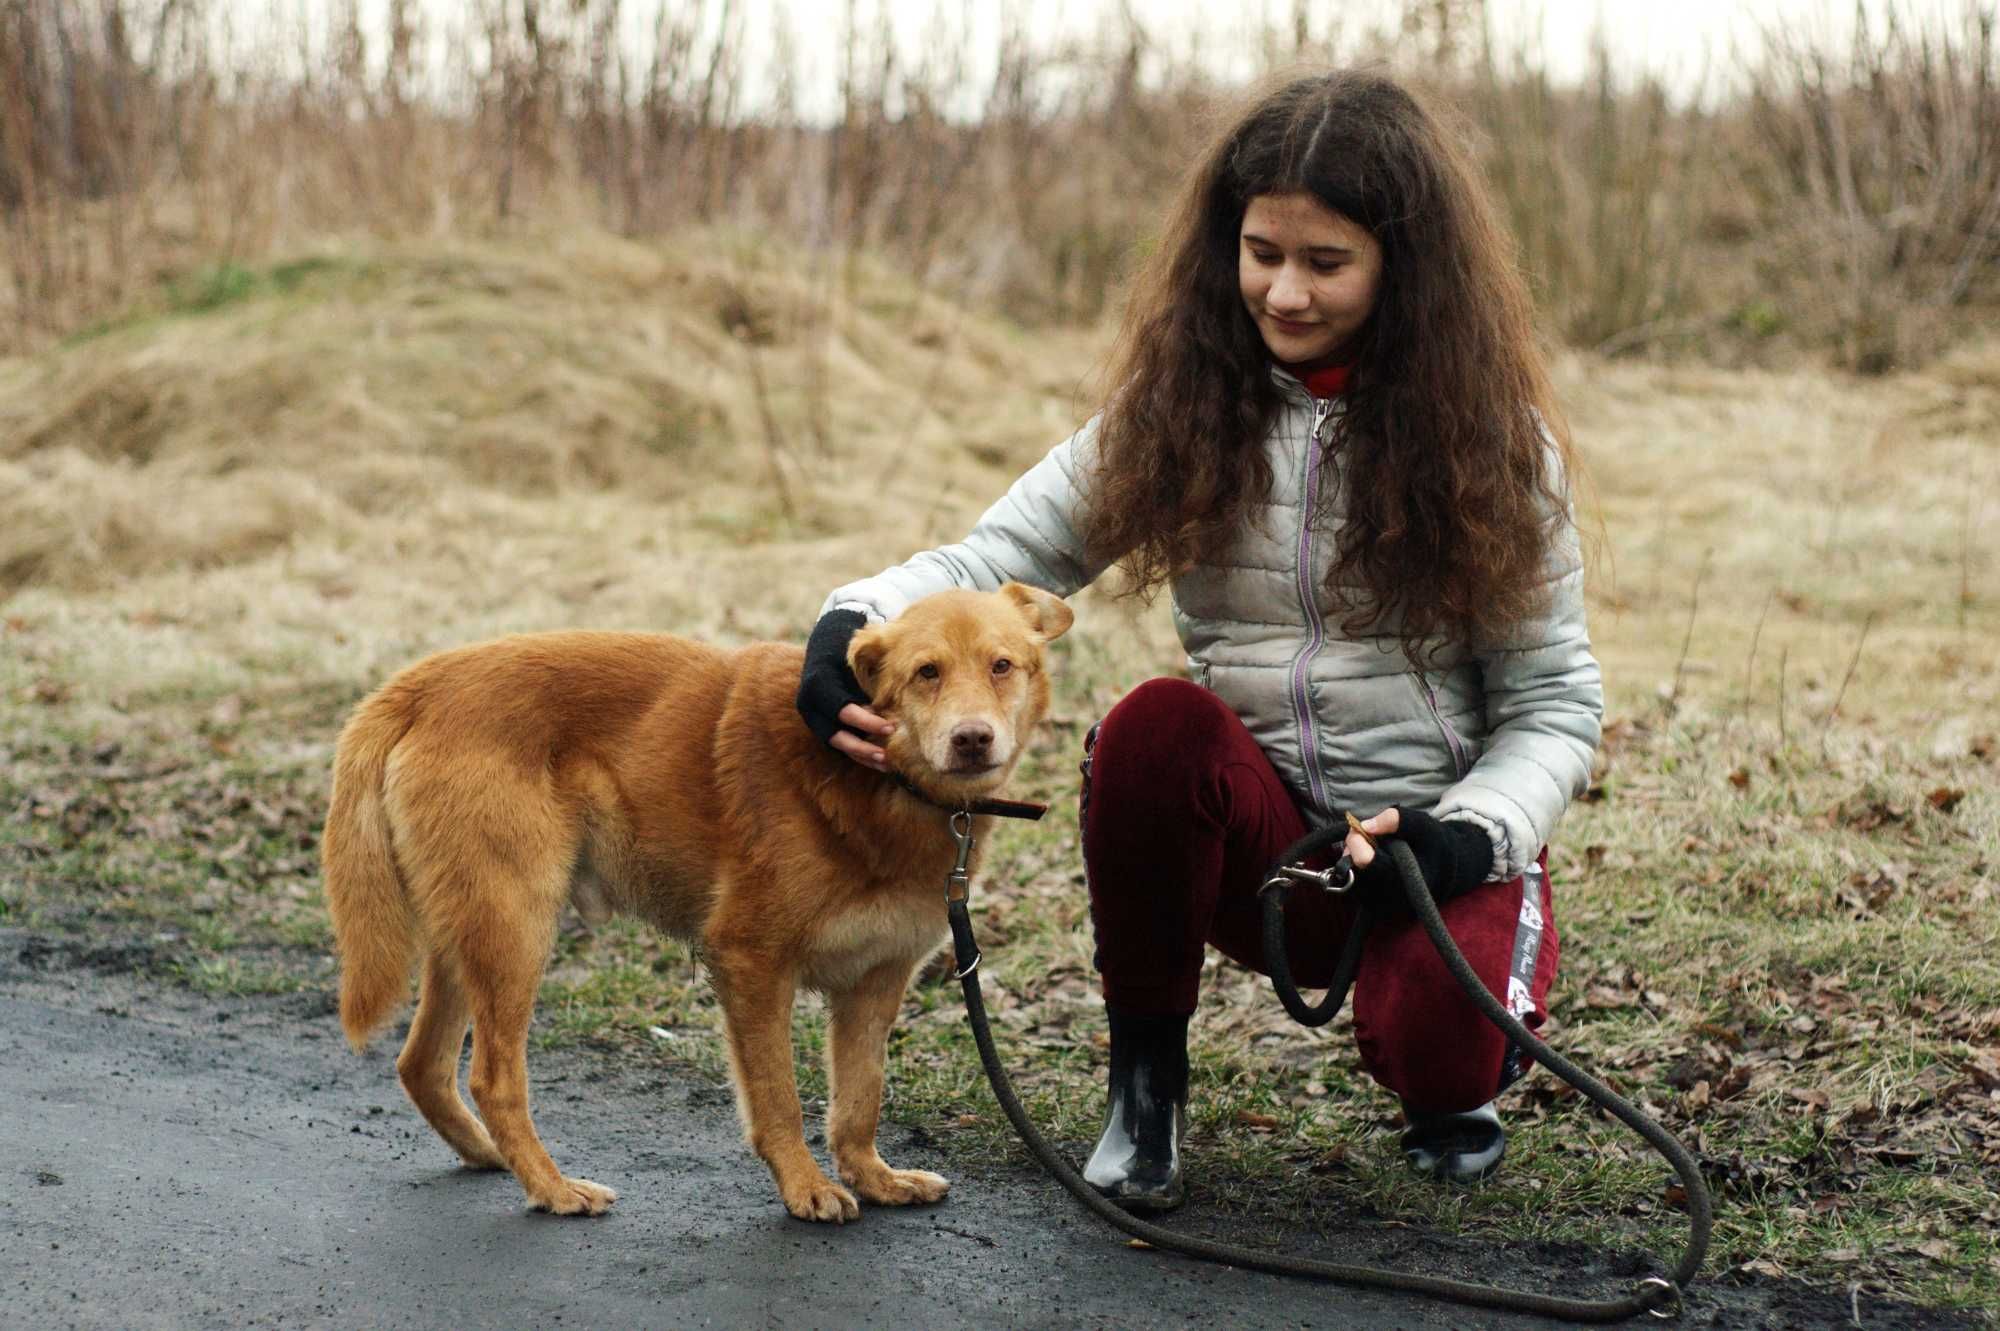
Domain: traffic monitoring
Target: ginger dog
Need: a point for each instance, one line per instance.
(481, 788)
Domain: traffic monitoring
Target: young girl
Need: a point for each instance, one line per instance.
(1331, 434)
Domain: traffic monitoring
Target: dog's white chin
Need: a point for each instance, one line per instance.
(989, 774)
(966, 782)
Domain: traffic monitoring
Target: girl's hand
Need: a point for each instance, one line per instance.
(1453, 857)
(830, 698)
(1359, 849)
(858, 718)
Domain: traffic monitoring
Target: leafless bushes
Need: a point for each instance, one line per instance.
(1847, 203)
(1885, 159)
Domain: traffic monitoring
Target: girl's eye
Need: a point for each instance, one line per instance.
(1002, 666)
(927, 671)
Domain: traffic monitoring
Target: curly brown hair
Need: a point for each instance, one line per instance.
(1455, 455)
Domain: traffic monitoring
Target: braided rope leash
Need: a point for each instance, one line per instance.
(1657, 1295)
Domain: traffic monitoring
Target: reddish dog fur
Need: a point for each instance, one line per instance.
(480, 789)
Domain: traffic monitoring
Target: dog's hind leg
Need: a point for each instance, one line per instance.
(757, 1010)
(858, 1033)
(428, 1065)
(503, 1002)
(503, 969)
(490, 861)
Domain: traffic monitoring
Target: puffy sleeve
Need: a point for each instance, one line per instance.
(1031, 535)
(1544, 715)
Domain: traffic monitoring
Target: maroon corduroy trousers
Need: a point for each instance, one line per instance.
(1182, 814)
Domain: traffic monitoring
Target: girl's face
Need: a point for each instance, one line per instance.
(1309, 277)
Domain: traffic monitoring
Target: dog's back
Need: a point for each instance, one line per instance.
(493, 748)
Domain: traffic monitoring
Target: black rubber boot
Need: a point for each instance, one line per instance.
(1137, 1163)
(1458, 1148)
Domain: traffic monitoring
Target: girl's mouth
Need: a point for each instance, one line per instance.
(1292, 326)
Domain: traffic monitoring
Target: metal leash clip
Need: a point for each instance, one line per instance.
(1338, 880)
(958, 883)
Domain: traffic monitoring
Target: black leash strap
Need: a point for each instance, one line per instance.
(1655, 1294)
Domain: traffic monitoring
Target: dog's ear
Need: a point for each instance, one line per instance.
(865, 654)
(1046, 614)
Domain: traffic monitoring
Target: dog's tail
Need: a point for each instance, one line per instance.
(374, 924)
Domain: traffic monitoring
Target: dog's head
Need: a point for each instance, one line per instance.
(962, 674)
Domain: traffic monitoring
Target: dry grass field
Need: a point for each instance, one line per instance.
(227, 514)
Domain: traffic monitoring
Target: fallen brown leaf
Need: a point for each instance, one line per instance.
(1734, 1082)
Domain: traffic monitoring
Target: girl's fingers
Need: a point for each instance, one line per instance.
(860, 750)
(857, 717)
(1359, 850)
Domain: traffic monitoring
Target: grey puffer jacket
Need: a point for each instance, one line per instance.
(1498, 733)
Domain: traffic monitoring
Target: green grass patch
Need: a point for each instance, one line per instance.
(218, 286)
(234, 977)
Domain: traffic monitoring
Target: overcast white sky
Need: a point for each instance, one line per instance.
(1678, 39)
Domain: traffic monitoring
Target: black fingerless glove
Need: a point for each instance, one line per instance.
(1455, 857)
(827, 684)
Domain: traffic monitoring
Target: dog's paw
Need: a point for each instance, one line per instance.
(576, 1196)
(901, 1187)
(821, 1199)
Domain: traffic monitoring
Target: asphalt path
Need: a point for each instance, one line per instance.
(170, 1159)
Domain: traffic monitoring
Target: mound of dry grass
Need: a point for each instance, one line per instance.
(413, 446)
(334, 463)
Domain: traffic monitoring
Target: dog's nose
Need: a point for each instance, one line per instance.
(971, 739)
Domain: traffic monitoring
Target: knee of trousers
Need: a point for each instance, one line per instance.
(1162, 718)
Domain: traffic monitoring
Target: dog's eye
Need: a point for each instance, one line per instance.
(1002, 666)
(927, 671)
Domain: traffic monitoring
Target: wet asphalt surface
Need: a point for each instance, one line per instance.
(172, 1159)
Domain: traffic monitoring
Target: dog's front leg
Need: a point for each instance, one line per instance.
(858, 1034)
(757, 1009)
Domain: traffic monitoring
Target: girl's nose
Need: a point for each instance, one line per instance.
(1288, 291)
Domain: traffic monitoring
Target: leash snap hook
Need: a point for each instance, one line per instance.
(958, 883)
(1338, 880)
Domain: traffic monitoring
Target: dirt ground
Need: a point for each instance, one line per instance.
(172, 1158)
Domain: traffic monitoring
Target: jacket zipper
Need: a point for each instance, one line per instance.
(1444, 728)
(1309, 602)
